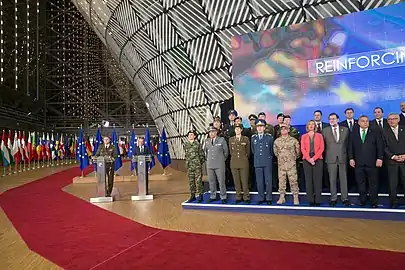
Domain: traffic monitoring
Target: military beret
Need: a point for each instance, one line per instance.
(261, 113)
(233, 112)
(252, 117)
(238, 117)
(280, 115)
(287, 116)
(192, 131)
(260, 122)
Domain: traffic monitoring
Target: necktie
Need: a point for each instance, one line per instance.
(350, 125)
(363, 135)
(212, 141)
(335, 134)
(260, 136)
(396, 133)
(380, 124)
(142, 150)
(318, 128)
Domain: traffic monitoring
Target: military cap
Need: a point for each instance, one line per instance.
(260, 122)
(239, 126)
(233, 112)
(287, 116)
(192, 131)
(283, 126)
(261, 113)
(217, 119)
(252, 117)
(212, 128)
(238, 117)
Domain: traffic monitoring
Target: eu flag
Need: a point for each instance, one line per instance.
(132, 149)
(81, 152)
(148, 144)
(118, 160)
(67, 147)
(96, 143)
(163, 151)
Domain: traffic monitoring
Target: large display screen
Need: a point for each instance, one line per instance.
(356, 60)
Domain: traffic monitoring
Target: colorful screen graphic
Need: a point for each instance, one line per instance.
(357, 61)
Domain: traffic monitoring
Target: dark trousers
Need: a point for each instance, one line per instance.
(109, 183)
(396, 173)
(264, 182)
(363, 175)
(313, 180)
(228, 172)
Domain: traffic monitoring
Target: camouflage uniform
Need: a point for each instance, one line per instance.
(287, 150)
(195, 158)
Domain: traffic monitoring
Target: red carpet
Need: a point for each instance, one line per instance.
(74, 234)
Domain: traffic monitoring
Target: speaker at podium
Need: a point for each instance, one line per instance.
(143, 185)
(105, 180)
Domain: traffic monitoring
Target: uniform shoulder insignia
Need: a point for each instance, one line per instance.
(254, 135)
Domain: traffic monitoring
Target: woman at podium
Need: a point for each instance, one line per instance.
(110, 153)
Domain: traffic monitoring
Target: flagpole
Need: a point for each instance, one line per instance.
(4, 171)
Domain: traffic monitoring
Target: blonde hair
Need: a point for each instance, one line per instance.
(310, 121)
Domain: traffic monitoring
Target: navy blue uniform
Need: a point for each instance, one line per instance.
(262, 150)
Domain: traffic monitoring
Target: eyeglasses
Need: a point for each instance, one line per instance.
(390, 119)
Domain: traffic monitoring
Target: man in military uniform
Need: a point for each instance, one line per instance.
(280, 120)
(194, 160)
(108, 150)
(262, 149)
(218, 125)
(269, 128)
(252, 128)
(293, 131)
(216, 152)
(230, 127)
(239, 148)
(287, 150)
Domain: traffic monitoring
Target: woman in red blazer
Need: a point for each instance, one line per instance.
(312, 147)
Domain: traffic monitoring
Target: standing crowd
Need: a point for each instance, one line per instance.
(363, 149)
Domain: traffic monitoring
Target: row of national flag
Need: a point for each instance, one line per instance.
(24, 147)
(31, 146)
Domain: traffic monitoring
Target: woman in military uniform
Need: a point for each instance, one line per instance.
(239, 147)
(195, 158)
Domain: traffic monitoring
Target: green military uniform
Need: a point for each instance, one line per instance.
(195, 158)
(111, 152)
(287, 150)
(240, 154)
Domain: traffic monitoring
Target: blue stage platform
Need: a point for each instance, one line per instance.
(383, 212)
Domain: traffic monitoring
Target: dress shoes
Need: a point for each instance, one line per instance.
(238, 201)
(346, 203)
(213, 200)
(269, 202)
(247, 201)
(200, 198)
(332, 203)
(224, 201)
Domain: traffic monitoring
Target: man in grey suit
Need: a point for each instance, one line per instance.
(336, 142)
(216, 151)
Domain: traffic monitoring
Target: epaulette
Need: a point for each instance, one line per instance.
(254, 135)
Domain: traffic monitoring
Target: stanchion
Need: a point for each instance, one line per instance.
(10, 172)
(4, 172)
(20, 170)
(15, 168)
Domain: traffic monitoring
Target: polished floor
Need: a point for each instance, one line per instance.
(165, 212)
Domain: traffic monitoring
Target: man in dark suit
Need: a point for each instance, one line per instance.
(141, 150)
(350, 122)
(319, 125)
(379, 120)
(280, 121)
(366, 152)
(108, 150)
(402, 114)
(336, 141)
(395, 155)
